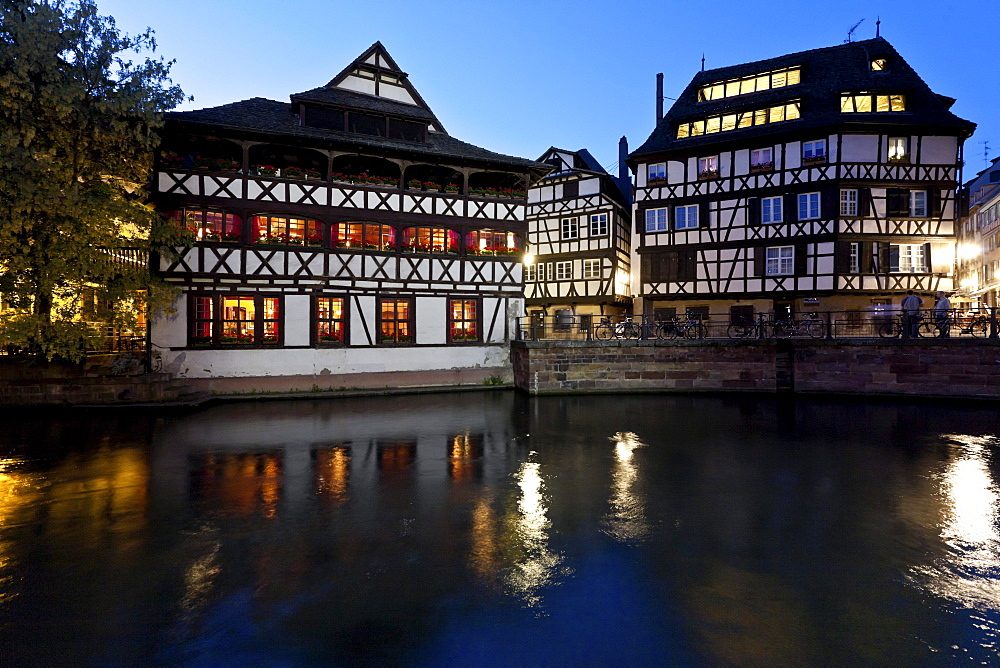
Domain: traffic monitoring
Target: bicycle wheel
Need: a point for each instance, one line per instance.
(889, 330)
(739, 331)
(783, 329)
(662, 331)
(630, 330)
(927, 330)
(694, 331)
(980, 328)
(815, 329)
(604, 332)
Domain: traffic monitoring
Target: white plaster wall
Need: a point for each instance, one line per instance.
(395, 93)
(432, 318)
(675, 172)
(590, 187)
(170, 331)
(939, 151)
(793, 154)
(325, 361)
(359, 84)
(741, 162)
(725, 165)
(297, 320)
(359, 316)
(831, 148)
(860, 148)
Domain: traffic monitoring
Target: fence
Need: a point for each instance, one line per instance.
(851, 324)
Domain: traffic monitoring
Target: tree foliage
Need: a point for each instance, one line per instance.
(78, 127)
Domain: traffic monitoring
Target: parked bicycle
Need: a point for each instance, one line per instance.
(690, 328)
(746, 328)
(626, 329)
(897, 326)
(976, 325)
(811, 326)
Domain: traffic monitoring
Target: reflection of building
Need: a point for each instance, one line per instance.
(579, 233)
(820, 180)
(339, 231)
(979, 240)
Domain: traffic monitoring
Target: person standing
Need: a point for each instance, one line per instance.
(911, 314)
(942, 313)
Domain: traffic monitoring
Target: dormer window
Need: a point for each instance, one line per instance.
(879, 64)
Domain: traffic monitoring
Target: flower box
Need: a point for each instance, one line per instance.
(708, 174)
(814, 160)
(265, 170)
(331, 338)
(761, 167)
(656, 182)
(300, 173)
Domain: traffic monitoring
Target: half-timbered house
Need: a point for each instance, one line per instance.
(821, 180)
(979, 240)
(342, 232)
(579, 233)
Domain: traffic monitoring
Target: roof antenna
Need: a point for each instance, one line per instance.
(986, 152)
(878, 26)
(703, 62)
(850, 32)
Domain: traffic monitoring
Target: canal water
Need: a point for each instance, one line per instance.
(491, 528)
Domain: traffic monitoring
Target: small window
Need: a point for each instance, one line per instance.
(879, 64)
(918, 203)
(780, 260)
(364, 236)
(463, 320)
(529, 273)
(813, 151)
(770, 209)
(761, 160)
(848, 202)
(492, 242)
(564, 270)
(591, 268)
(656, 220)
(708, 168)
(854, 258)
(287, 231)
(569, 228)
(808, 206)
(899, 149)
(207, 225)
(906, 258)
(686, 217)
(430, 240)
(656, 172)
(329, 320)
(599, 225)
(395, 320)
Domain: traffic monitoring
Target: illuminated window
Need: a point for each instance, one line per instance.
(656, 171)
(879, 64)
(599, 225)
(430, 240)
(234, 320)
(463, 319)
(849, 202)
(591, 268)
(708, 167)
(208, 225)
(364, 236)
(777, 114)
(568, 228)
(814, 151)
(906, 258)
(656, 220)
(808, 206)
(899, 149)
(529, 273)
(864, 102)
(395, 320)
(330, 320)
(281, 230)
(761, 160)
(918, 203)
(492, 242)
(755, 83)
(686, 217)
(780, 261)
(770, 209)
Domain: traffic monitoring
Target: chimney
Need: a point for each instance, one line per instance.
(659, 97)
(623, 173)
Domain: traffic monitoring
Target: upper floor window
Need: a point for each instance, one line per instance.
(708, 167)
(463, 319)
(207, 225)
(569, 228)
(761, 160)
(395, 320)
(564, 270)
(726, 122)
(865, 102)
(656, 171)
(685, 217)
(849, 202)
(813, 151)
(918, 203)
(854, 257)
(329, 320)
(770, 209)
(365, 236)
(879, 64)
(808, 206)
(656, 220)
(530, 273)
(787, 76)
(599, 225)
(907, 258)
(899, 149)
(281, 230)
(780, 261)
(492, 242)
(591, 268)
(430, 240)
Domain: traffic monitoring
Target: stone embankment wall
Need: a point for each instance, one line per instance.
(933, 368)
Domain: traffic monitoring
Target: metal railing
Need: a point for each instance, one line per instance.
(850, 324)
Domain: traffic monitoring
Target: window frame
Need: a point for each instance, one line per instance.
(512, 243)
(767, 206)
(759, 165)
(569, 229)
(854, 257)
(430, 240)
(849, 204)
(708, 167)
(661, 219)
(814, 151)
(592, 268)
(686, 221)
(918, 204)
(530, 273)
(813, 209)
(410, 321)
(893, 146)
(313, 232)
(599, 225)
(564, 270)
(476, 321)
(216, 321)
(231, 224)
(656, 171)
(368, 232)
(779, 261)
(316, 321)
(912, 252)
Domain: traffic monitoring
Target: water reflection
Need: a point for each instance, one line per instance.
(627, 520)
(332, 467)
(465, 457)
(238, 483)
(538, 566)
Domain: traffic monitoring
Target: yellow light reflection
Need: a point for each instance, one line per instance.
(538, 565)
(199, 579)
(627, 520)
(484, 557)
(18, 491)
(966, 574)
(333, 467)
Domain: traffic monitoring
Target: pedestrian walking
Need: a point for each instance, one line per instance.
(911, 314)
(942, 314)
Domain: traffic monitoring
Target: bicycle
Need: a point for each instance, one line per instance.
(895, 328)
(692, 328)
(626, 329)
(810, 326)
(749, 328)
(976, 325)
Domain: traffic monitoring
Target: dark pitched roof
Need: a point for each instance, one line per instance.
(351, 100)
(826, 73)
(259, 115)
(584, 161)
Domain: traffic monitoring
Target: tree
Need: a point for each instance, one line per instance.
(78, 127)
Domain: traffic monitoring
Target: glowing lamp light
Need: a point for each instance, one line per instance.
(529, 259)
(968, 251)
(968, 283)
